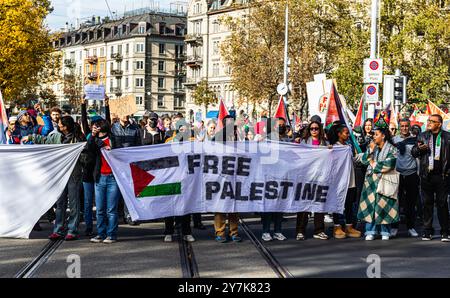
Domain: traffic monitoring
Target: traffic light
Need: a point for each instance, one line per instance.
(400, 89)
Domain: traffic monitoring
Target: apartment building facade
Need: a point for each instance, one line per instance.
(141, 55)
(203, 41)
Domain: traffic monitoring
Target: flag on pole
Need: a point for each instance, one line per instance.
(336, 113)
(384, 114)
(223, 112)
(434, 109)
(281, 110)
(4, 124)
(359, 116)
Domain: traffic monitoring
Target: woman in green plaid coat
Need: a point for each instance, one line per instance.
(378, 211)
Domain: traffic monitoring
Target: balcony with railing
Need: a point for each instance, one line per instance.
(117, 56)
(194, 61)
(92, 60)
(116, 72)
(93, 76)
(178, 90)
(194, 39)
(191, 82)
(70, 63)
(117, 92)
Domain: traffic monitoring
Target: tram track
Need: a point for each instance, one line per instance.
(189, 266)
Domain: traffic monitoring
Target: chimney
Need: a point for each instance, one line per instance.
(66, 28)
(97, 20)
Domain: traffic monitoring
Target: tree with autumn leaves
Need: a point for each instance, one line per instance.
(25, 48)
(333, 37)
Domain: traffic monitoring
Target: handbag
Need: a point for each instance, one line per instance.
(388, 184)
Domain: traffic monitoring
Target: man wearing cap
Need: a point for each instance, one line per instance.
(150, 133)
(25, 127)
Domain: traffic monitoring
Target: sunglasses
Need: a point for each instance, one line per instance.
(314, 129)
(432, 121)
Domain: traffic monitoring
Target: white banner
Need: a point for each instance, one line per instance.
(176, 179)
(32, 178)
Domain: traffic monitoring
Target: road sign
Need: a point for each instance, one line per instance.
(371, 93)
(373, 71)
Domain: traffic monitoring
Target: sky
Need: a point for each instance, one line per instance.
(70, 10)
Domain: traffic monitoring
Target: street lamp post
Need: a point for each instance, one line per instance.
(286, 58)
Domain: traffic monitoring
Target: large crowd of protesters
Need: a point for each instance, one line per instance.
(375, 204)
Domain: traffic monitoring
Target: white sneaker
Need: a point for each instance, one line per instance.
(370, 237)
(413, 233)
(300, 236)
(279, 236)
(168, 238)
(394, 232)
(328, 218)
(189, 238)
(384, 237)
(109, 240)
(266, 237)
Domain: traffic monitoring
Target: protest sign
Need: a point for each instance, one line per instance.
(94, 92)
(124, 106)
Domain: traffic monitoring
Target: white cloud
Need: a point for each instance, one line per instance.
(71, 10)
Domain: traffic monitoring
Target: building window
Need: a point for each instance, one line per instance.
(127, 83)
(102, 52)
(87, 68)
(161, 83)
(161, 66)
(139, 65)
(216, 27)
(140, 82)
(216, 70)
(111, 87)
(162, 28)
(139, 100)
(216, 47)
(127, 48)
(127, 65)
(142, 30)
(112, 50)
(95, 52)
(160, 101)
(119, 49)
(178, 102)
(140, 48)
(162, 48)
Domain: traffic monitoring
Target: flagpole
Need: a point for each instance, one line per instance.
(286, 59)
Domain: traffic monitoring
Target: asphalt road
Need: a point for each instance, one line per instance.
(141, 252)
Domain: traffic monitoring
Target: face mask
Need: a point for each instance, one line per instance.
(153, 123)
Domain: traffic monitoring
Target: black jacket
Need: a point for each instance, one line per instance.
(424, 155)
(149, 139)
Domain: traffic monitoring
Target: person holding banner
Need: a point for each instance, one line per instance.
(314, 135)
(226, 134)
(182, 134)
(68, 133)
(378, 206)
(280, 134)
(106, 189)
(341, 135)
(433, 150)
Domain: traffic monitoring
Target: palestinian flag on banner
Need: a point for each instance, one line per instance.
(150, 177)
(336, 113)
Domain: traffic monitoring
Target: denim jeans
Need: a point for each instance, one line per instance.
(70, 196)
(89, 188)
(373, 229)
(106, 199)
(268, 217)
